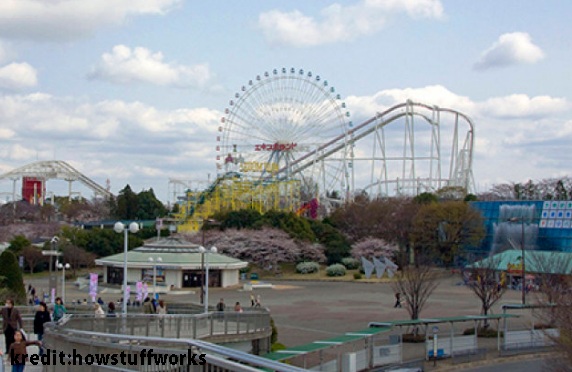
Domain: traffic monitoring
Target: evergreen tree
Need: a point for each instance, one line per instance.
(12, 275)
(18, 244)
(148, 206)
(126, 205)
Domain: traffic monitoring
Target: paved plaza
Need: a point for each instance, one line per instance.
(306, 311)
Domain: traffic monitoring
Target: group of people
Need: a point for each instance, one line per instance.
(221, 306)
(254, 302)
(14, 335)
(100, 313)
(152, 306)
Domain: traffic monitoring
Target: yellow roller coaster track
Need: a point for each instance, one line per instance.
(232, 192)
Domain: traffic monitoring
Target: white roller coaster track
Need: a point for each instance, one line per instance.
(411, 180)
(55, 169)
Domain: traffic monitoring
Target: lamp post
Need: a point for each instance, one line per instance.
(207, 222)
(63, 268)
(155, 261)
(204, 251)
(121, 228)
(523, 285)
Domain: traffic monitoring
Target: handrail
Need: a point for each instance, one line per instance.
(63, 335)
(240, 361)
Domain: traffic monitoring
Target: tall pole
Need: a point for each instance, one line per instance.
(119, 227)
(523, 260)
(207, 285)
(125, 246)
(63, 283)
(203, 264)
(154, 280)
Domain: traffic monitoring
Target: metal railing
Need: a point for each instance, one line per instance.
(227, 326)
(125, 343)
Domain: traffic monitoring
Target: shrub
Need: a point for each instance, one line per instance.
(357, 276)
(307, 267)
(482, 332)
(350, 263)
(336, 270)
(413, 338)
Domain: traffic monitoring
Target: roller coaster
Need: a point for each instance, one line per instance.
(286, 140)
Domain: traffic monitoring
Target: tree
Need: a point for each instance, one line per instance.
(415, 284)
(549, 270)
(32, 256)
(485, 283)
(126, 207)
(77, 257)
(18, 243)
(266, 247)
(445, 228)
(148, 206)
(373, 247)
(12, 274)
(426, 198)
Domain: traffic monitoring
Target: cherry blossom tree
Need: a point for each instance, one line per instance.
(266, 248)
(373, 247)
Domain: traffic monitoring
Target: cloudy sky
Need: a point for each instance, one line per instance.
(133, 91)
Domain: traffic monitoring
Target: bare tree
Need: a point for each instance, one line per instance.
(549, 269)
(415, 284)
(556, 293)
(77, 257)
(485, 283)
(33, 256)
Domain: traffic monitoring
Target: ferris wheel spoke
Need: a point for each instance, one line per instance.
(286, 117)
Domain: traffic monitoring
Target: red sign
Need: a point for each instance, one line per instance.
(275, 147)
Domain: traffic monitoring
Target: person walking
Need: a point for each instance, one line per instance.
(161, 308)
(111, 310)
(59, 309)
(148, 306)
(397, 300)
(11, 321)
(18, 351)
(99, 313)
(221, 305)
(252, 300)
(237, 307)
(257, 303)
(42, 317)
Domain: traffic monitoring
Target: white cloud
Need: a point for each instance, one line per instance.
(521, 105)
(16, 76)
(507, 107)
(124, 65)
(509, 49)
(70, 19)
(340, 23)
(433, 95)
(129, 142)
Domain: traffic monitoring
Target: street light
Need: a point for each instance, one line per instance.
(203, 250)
(155, 261)
(523, 284)
(206, 223)
(63, 268)
(121, 228)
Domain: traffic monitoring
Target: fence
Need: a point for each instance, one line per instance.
(86, 342)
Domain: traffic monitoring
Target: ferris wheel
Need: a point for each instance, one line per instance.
(288, 124)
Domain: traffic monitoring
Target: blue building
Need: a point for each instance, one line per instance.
(539, 225)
